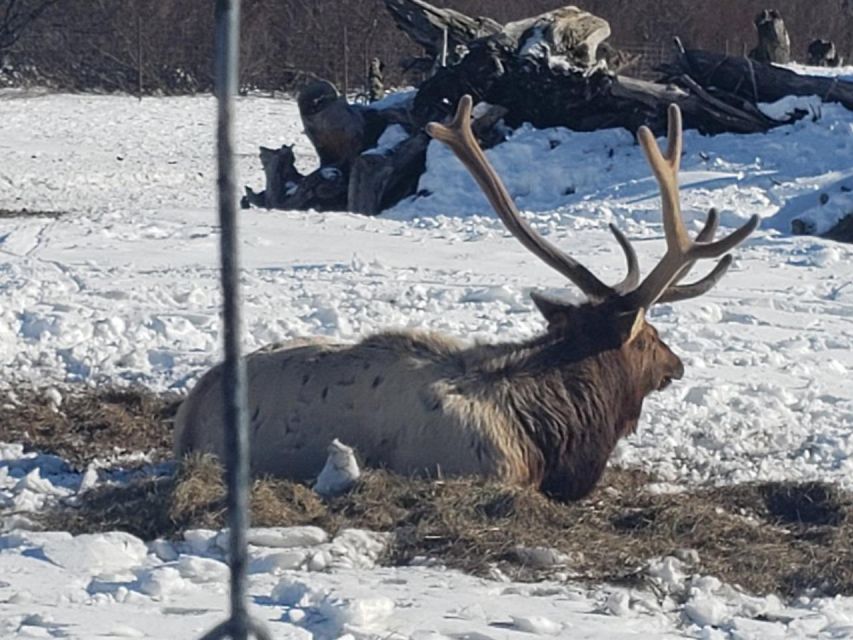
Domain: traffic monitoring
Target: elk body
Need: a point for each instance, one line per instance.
(546, 412)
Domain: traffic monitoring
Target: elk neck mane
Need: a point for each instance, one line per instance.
(572, 395)
(569, 393)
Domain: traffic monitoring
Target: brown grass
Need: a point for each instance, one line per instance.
(27, 213)
(767, 537)
(91, 424)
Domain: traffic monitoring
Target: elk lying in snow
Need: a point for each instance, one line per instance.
(545, 412)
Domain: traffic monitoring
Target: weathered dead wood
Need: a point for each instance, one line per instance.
(380, 179)
(701, 110)
(755, 81)
(544, 70)
(774, 44)
(426, 25)
(842, 231)
(334, 127)
(822, 53)
(546, 95)
(568, 32)
(323, 190)
(282, 178)
(375, 85)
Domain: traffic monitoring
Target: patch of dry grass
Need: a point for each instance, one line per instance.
(766, 537)
(91, 424)
(27, 213)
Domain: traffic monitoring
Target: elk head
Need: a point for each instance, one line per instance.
(614, 315)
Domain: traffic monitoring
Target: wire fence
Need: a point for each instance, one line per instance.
(239, 625)
(644, 58)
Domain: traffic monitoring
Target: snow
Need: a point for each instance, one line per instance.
(389, 140)
(120, 284)
(340, 472)
(131, 593)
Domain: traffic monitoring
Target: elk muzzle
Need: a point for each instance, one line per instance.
(677, 373)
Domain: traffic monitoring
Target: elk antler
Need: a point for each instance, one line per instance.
(662, 284)
(681, 252)
(459, 137)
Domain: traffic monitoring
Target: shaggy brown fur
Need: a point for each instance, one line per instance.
(544, 413)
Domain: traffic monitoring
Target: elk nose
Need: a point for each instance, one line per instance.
(678, 373)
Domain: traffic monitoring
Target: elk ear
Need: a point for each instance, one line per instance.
(549, 307)
(630, 324)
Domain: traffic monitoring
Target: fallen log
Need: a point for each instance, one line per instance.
(426, 25)
(755, 81)
(569, 33)
(537, 91)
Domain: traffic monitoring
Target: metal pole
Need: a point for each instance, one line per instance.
(239, 625)
(346, 62)
(444, 49)
(139, 50)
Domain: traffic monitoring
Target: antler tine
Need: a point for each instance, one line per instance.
(459, 137)
(695, 289)
(712, 222)
(673, 136)
(632, 279)
(681, 251)
(665, 169)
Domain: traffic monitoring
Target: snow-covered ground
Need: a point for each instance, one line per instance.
(123, 285)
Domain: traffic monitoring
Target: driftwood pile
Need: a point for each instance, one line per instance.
(554, 69)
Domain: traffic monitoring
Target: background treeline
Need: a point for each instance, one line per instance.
(102, 44)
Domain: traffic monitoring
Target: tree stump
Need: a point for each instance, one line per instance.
(774, 44)
(380, 179)
(334, 127)
(822, 53)
(375, 86)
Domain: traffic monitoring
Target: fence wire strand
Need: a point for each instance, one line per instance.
(239, 625)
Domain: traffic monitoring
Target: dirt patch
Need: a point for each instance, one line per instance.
(92, 424)
(767, 537)
(842, 231)
(28, 213)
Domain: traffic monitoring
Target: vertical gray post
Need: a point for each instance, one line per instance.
(444, 49)
(238, 626)
(346, 63)
(139, 50)
(236, 441)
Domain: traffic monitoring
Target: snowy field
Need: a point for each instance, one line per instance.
(116, 281)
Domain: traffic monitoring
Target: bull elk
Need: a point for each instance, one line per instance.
(545, 412)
